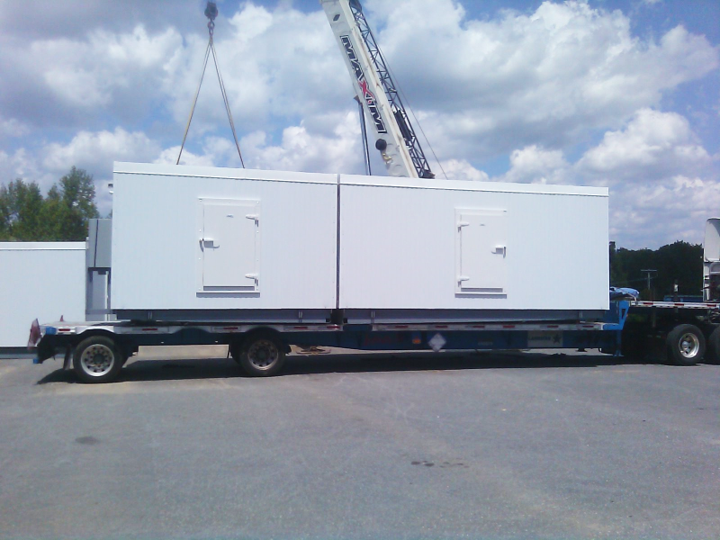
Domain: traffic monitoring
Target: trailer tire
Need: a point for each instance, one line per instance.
(97, 359)
(713, 347)
(261, 354)
(685, 345)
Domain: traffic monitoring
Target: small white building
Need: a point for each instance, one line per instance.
(39, 280)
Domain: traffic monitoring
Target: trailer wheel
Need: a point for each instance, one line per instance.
(685, 345)
(97, 359)
(262, 354)
(713, 346)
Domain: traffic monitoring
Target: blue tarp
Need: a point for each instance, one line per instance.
(617, 293)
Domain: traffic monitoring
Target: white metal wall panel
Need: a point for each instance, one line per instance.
(711, 253)
(399, 242)
(43, 280)
(712, 240)
(157, 241)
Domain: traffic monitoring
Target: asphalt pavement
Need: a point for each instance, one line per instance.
(490, 446)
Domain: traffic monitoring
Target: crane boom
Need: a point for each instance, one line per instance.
(394, 134)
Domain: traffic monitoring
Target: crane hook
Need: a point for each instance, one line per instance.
(211, 11)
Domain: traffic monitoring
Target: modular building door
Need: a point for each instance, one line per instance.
(229, 245)
(481, 252)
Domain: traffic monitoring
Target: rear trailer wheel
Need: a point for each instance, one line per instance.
(685, 345)
(97, 359)
(262, 355)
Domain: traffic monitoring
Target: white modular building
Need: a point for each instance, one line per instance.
(202, 243)
(43, 280)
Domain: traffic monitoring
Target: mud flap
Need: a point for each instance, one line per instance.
(67, 363)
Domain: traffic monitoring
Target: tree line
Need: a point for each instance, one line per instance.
(60, 216)
(679, 262)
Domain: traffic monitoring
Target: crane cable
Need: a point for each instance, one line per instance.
(211, 12)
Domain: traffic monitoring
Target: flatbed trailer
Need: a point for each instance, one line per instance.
(96, 352)
(675, 332)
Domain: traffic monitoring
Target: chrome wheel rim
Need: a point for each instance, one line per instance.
(97, 360)
(689, 345)
(262, 354)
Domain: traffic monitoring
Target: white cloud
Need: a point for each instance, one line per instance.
(663, 212)
(96, 151)
(13, 128)
(545, 78)
(460, 169)
(56, 80)
(653, 144)
(216, 152)
(483, 87)
(21, 164)
(303, 150)
(536, 165)
(169, 156)
(664, 185)
(281, 63)
(73, 17)
(88, 73)
(654, 198)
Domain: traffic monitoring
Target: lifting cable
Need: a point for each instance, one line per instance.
(211, 12)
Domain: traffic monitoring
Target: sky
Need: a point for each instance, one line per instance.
(617, 93)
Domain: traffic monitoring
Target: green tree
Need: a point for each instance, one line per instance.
(679, 261)
(62, 216)
(4, 214)
(20, 208)
(70, 205)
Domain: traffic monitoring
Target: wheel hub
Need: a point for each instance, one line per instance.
(262, 354)
(97, 360)
(689, 345)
